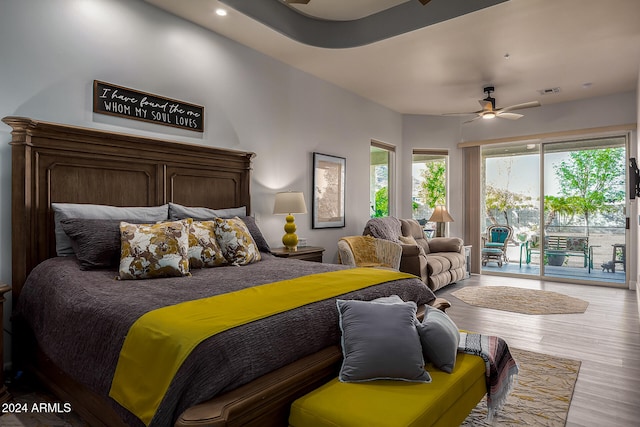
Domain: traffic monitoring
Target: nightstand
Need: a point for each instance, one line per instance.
(305, 253)
(4, 393)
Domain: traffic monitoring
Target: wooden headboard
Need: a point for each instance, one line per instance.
(56, 163)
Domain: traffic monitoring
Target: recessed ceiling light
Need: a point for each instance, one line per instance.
(221, 12)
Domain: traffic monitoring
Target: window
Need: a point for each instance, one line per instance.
(381, 195)
(429, 176)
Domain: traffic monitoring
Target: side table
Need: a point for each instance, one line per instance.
(619, 256)
(305, 253)
(467, 255)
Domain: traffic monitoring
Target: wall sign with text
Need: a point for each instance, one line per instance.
(132, 104)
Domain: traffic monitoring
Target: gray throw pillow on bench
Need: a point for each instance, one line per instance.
(440, 338)
(380, 341)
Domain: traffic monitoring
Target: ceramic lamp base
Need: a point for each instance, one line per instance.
(290, 239)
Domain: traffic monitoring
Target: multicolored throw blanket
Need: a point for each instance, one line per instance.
(501, 367)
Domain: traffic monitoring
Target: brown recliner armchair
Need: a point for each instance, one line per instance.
(438, 261)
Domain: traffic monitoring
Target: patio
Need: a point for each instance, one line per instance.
(575, 273)
(573, 269)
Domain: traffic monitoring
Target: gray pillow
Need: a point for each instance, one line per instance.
(256, 233)
(136, 214)
(96, 242)
(440, 338)
(380, 341)
(177, 212)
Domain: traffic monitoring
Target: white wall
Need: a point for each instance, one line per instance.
(53, 50)
(434, 132)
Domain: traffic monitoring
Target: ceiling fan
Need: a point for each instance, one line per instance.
(489, 110)
(424, 2)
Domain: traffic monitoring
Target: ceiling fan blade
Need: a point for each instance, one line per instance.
(531, 104)
(510, 116)
(472, 120)
(461, 114)
(424, 2)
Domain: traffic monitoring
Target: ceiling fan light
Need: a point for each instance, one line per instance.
(489, 116)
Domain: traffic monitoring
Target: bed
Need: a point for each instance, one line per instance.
(247, 375)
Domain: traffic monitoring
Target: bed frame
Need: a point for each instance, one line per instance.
(60, 163)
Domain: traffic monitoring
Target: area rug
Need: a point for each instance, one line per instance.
(519, 300)
(542, 394)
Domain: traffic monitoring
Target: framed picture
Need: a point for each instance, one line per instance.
(328, 191)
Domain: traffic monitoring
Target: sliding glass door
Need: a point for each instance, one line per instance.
(511, 200)
(584, 221)
(564, 206)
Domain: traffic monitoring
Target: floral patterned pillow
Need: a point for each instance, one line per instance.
(154, 250)
(236, 242)
(204, 250)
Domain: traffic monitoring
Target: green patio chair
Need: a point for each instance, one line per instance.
(494, 245)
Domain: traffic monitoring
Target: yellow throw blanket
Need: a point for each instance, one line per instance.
(159, 341)
(364, 251)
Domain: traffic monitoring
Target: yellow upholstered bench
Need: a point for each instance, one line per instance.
(444, 402)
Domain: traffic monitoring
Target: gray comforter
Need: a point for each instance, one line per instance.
(80, 319)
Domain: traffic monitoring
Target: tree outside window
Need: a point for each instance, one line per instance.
(429, 183)
(591, 182)
(381, 164)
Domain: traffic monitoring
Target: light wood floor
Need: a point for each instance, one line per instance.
(606, 338)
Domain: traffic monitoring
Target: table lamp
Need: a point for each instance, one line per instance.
(440, 216)
(289, 203)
